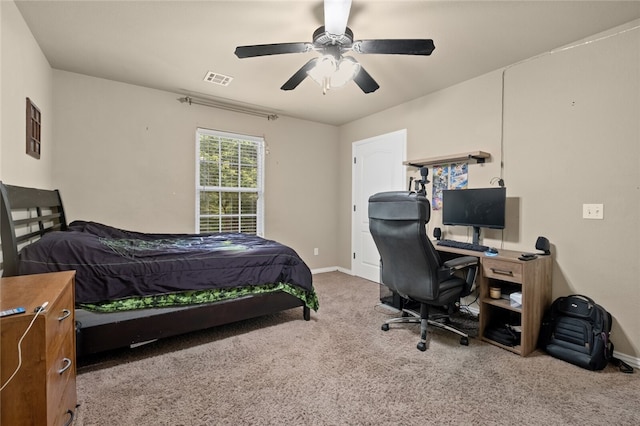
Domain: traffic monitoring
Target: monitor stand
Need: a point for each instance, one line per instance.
(476, 235)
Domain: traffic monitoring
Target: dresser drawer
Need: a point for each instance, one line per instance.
(61, 380)
(60, 320)
(64, 417)
(502, 270)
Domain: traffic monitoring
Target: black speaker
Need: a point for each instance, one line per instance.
(437, 232)
(543, 244)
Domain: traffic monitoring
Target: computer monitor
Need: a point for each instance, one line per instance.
(478, 208)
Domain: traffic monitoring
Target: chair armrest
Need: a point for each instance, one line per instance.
(470, 263)
(450, 266)
(461, 262)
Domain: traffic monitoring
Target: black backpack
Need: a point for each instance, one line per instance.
(577, 330)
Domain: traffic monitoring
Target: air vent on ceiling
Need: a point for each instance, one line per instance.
(221, 79)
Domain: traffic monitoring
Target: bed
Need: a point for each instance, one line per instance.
(134, 287)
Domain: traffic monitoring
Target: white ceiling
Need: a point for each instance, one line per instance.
(170, 45)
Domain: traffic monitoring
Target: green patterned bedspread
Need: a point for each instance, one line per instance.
(309, 298)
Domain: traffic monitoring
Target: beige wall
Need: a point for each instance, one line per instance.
(25, 72)
(126, 157)
(571, 136)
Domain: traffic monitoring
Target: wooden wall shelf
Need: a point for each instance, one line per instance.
(477, 156)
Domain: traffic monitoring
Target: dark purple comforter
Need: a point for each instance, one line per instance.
(112, 263)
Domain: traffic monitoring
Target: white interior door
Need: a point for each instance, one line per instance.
(377, 167)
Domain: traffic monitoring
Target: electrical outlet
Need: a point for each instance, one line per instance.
(593, 211)
(316, 251)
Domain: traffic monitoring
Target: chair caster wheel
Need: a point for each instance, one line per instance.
(464, 341)
(385, 327)
(422, 346)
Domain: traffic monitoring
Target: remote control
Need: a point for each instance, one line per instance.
(527, 256)
(11, 312)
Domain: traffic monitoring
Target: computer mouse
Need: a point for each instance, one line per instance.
(492, 250)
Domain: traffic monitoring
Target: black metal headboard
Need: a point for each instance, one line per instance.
(26, 214)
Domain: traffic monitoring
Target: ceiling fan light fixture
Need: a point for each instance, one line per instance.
(346, 71)
(322, 72)
(325, 68)
(330, 74)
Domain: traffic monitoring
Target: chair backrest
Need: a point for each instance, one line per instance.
(410, 263)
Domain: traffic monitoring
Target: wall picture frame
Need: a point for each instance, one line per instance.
(34, 127)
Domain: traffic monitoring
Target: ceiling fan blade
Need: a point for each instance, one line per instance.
(336, 14)
(364, 81)
(271, 49)
(300, 75)
(395, 47)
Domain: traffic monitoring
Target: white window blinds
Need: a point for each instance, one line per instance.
(229, 182)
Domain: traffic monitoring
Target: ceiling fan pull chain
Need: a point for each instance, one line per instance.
(326, 81)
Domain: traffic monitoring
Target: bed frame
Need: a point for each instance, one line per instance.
(26, 214)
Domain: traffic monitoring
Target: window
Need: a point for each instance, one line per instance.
(229, 182)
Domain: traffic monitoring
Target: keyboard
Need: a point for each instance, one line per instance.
(461, 245)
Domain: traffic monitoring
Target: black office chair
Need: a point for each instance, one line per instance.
(411, 266)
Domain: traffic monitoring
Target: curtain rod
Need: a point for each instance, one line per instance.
(229, 107)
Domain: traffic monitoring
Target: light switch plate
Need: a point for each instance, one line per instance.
(593, 211)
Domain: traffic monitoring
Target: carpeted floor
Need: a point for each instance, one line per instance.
(341, 369)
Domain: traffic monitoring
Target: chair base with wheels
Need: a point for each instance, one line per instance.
(412, 317)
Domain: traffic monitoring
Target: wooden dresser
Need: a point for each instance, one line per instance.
(43, 392)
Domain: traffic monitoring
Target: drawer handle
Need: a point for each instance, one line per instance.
(65, 314)
(501, 272)
(67, 364)
(72, 415)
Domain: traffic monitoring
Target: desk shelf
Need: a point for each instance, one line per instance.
(477, 156)
(502, 303)
(515, 349)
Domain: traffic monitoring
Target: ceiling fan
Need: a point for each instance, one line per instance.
(332, 40)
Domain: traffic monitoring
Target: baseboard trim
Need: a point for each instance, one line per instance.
(331, 269)
(345, 271)
(632, 361)
(323, 270)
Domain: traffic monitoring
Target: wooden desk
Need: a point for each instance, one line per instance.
(43, 392)
(532, 278)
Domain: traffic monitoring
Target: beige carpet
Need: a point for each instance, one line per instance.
(341, 369)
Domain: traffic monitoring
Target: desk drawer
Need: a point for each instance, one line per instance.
(502, 270)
